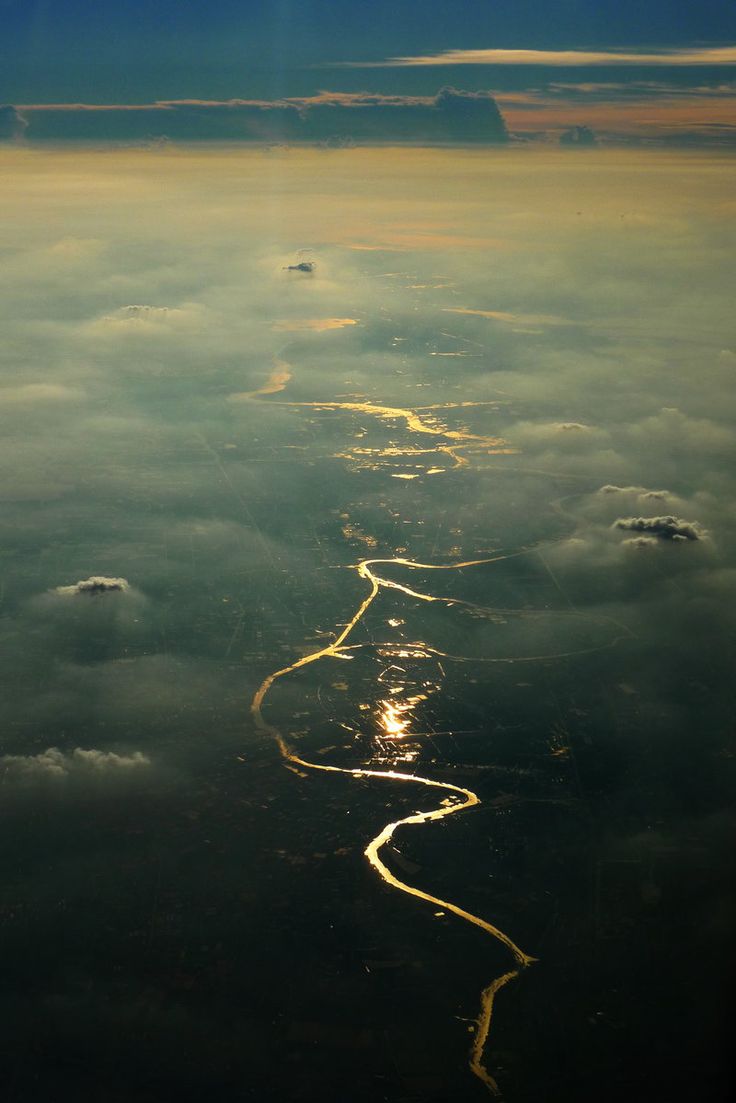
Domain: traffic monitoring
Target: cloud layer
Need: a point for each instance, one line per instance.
(449, 116)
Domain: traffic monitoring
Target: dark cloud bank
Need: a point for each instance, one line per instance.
(450, 116)
(664, 528)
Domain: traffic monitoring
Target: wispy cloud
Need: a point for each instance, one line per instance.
(314, 325)
(512, 318)
(709, 55)
(648, 109)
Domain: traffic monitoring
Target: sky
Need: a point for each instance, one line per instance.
(661, 70)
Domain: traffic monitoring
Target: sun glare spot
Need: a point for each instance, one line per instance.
(391, 719)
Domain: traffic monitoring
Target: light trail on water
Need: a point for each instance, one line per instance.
(395, 727)
(458, 800)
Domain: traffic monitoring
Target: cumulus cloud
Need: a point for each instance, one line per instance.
(671, 425)
(612, 488)
(556, 429)
(56, 764)
(578, 136)
(94, 585)
(142, 313)
(143, 318)
(642, 542)
(613, 503)
(636, 491)
(662, 528)
(568, 436)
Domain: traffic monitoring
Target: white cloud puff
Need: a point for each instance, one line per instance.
(56, 764)
(94, 585)
(637, 491)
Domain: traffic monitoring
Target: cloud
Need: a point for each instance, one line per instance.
(31, 393)
(696, 436)
(631, 112)
(451, 115)
(141, 313)
(642, 542)
(581, 136)
(56, 764)
(639, 492)
(662, 528)
(566, 435)
(313, 325)
(611, 488)
(181, 120)
(141, 318)
(12, 124)
(606, 91)
(551, 430)
(95, 585)
(511, 318)
(713, 55)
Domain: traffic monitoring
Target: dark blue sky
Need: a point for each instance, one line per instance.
(138, 50)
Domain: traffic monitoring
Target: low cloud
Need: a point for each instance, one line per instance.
(146, 320)
(697, 434)
(142, 313)
(662, 528)
(642, 542)
(94, 585)
(637, 491)
(612, 488)
(568, 436)
(57, 765)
